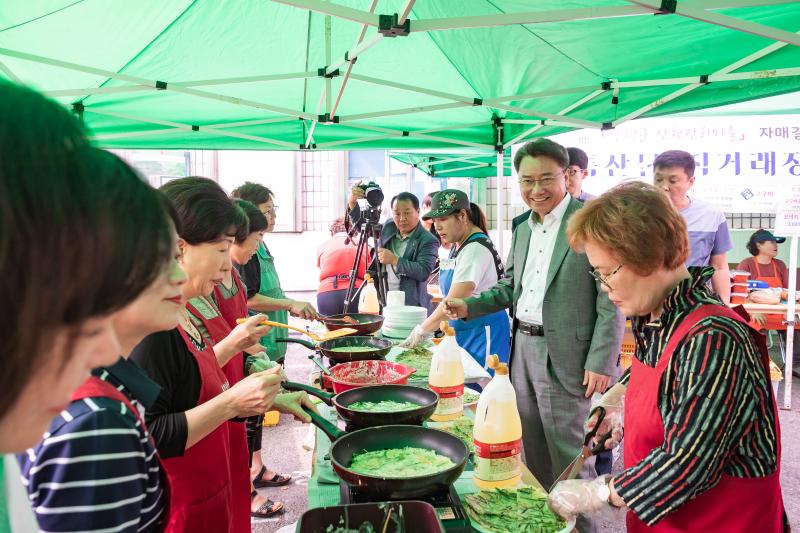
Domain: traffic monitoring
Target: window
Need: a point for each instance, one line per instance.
(752, 221)
(320, 175)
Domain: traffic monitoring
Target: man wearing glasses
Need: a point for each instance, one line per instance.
(577, 171)
(566, 332)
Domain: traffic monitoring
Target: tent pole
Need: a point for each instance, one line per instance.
(499, 209)
(790, 322)
(350, 63)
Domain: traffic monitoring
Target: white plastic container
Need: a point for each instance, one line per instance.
(368, 299)
(446, 377)
(497, 432)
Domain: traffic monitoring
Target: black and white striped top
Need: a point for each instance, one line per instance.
(95, 469)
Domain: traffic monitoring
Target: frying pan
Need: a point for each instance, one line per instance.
(345, 445)
(367, 323)
(380, 348)
(427, 400)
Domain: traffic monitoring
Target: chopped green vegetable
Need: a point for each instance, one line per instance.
(522, 510)
(471, 396)
(385, 406)
(353, 349)
(256, 363)
(418, 358)
(461, 428)
(400, 462)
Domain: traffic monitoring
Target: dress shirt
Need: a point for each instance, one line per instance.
(540, 250)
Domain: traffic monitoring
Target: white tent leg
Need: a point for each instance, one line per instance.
(500, 206)
(790, 319)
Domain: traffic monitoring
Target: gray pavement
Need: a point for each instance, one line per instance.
(283, 451)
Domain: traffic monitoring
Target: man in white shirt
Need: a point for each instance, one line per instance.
(567, 334)
(577, 171)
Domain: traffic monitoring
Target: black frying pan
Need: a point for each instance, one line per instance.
(379, 348)
(366, 323)
(345, 445)
(427, 400)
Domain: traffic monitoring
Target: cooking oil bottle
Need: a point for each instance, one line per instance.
(446, 377)
(368, 300)
(497, 432)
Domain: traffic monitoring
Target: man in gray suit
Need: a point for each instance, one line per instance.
(566, 334)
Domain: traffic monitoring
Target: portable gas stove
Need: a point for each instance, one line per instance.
(446, 502)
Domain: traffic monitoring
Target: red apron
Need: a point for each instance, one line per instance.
(95, 387)
(218, 329)
(232, 309)
(201, 477)
(774, 322)
(734, 504)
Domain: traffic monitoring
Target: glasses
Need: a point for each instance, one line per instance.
(603, 280)
(543, 183)
(270, 212)
(574, 170)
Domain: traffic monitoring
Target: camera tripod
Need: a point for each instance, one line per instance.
(368, 228)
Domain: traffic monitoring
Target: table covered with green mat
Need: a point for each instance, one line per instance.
(323, 486)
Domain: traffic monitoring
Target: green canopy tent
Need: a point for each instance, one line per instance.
(390, 74)
(397, 74)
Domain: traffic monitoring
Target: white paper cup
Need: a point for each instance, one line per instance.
(395, 298)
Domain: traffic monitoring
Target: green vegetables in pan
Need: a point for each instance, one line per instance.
(256, 363)
(522, 510)
(400, 463)
(418, 358)
(384, 406)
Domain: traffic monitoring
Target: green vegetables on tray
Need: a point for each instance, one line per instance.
(461, 428)
(384, 406)
(522, 510)
(400, 462)
(418, 358)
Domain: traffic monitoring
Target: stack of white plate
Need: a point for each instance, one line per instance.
(399, 320)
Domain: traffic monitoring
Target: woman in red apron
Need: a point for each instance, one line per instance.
(203, 450)
(702, 451)
(764, 266)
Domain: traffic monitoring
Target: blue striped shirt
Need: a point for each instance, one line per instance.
(95, 469)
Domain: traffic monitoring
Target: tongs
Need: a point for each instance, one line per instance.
(317, 337)
(574, 468)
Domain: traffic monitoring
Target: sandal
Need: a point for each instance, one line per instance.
(267, 509)
(277, 480)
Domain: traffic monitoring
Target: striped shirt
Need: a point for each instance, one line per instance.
(95, 469)
(714, 401)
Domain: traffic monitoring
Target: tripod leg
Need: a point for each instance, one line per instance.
(348, 296)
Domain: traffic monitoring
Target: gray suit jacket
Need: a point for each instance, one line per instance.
(583, 329)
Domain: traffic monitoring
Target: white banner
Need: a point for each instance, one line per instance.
(743, 163)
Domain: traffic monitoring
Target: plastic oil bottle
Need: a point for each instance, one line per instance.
(446, 377)
(368, 299)
(497, 432)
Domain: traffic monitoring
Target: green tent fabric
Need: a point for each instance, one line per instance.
(454, 163)
(251, 74)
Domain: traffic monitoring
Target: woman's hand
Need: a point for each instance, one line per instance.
(255, 394)
(247, 333)
(292, 403)
(579, 496)
(302, 310)
(613, 402)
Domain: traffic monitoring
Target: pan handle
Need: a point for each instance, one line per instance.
(326, 397)
(308, 344)
(325, 425)
(319, 364)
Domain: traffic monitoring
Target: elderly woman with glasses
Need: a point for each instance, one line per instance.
(702, 449)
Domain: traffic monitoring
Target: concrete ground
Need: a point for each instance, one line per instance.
(283, 451)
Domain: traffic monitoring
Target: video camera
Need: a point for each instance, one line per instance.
(374, 196)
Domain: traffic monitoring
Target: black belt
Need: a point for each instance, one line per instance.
(336, 279)
(533, 330)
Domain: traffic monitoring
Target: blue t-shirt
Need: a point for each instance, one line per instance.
(708, 232)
